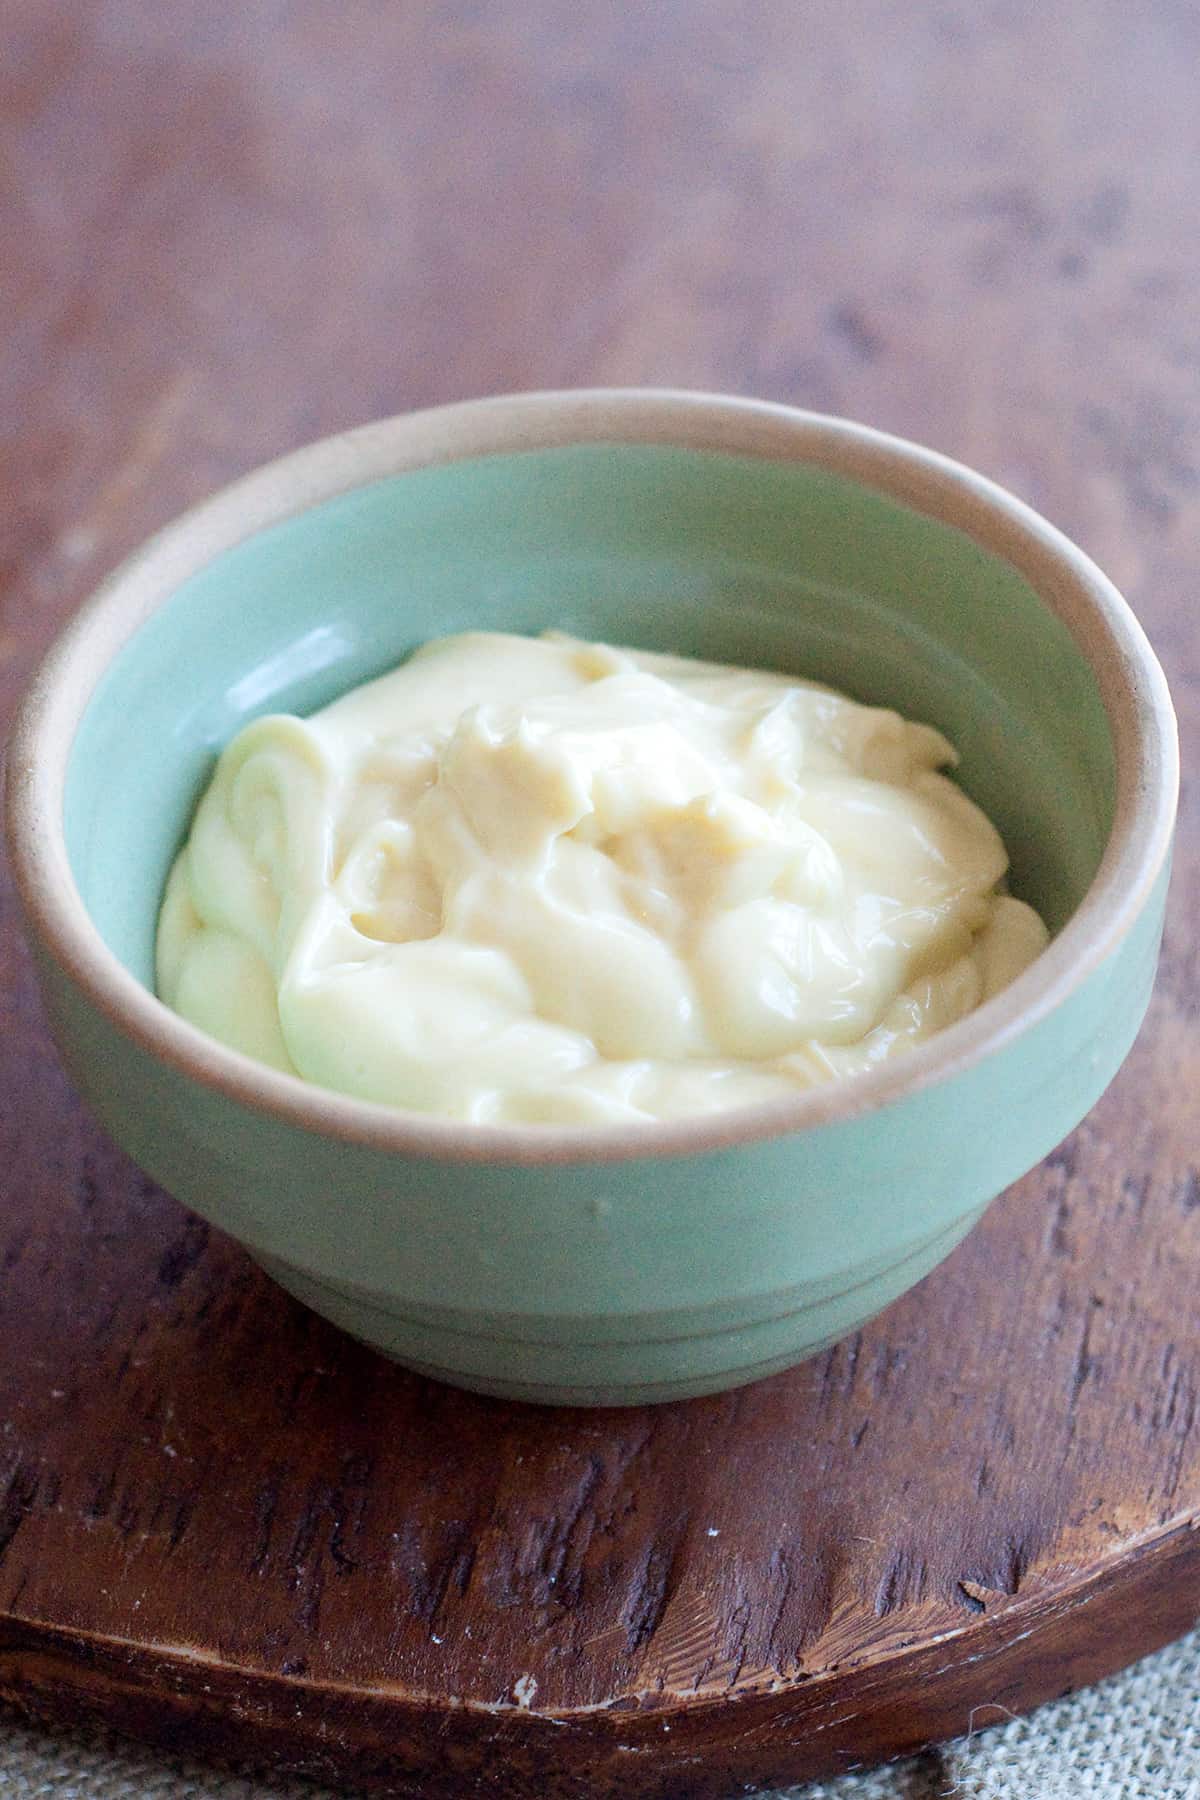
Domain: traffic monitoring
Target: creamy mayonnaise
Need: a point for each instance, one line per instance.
(535, 880)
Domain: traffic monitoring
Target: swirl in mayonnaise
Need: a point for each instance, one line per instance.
(543, 881)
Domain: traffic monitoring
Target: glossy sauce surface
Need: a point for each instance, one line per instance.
(537, 880)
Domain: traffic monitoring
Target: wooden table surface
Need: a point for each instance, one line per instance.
(228, 230)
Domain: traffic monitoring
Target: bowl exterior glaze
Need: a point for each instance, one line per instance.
(683, 1260)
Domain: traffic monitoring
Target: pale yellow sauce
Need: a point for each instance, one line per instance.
(536, 880)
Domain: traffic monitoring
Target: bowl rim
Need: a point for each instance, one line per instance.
(1131, 683)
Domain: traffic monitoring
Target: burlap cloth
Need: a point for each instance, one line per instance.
(1135, 1737)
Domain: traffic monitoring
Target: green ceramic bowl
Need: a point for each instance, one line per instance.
(633, 1263)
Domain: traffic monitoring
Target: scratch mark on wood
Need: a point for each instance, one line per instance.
(1085, 1363)
(651, 1586)
(19, 1496)
(180, 1257)
(902, 1582)
(266, 1500)
(1136, 1189)
(87, 1187)
(847, 322)
(15, 1249)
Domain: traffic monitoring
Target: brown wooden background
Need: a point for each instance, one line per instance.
(229, 229)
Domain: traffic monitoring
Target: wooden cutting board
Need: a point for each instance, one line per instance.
(223, 1526)
(226, 1528)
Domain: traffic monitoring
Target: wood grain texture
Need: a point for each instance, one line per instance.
(221, 1524)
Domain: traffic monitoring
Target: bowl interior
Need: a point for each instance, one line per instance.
(780, 565)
